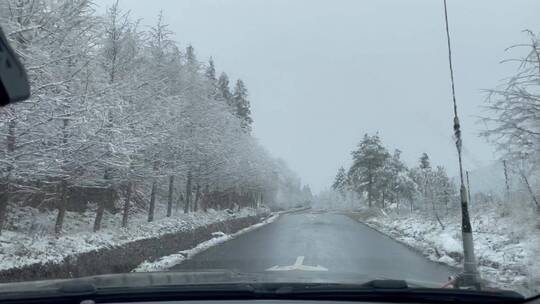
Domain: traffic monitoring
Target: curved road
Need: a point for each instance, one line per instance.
(319, 243)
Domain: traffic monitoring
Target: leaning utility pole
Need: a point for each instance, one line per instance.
(470, 276)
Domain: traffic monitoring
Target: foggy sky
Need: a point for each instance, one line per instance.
(320, 74)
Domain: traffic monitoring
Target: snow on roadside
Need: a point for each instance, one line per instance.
(35, 243)
(506, 255)
(169, 261)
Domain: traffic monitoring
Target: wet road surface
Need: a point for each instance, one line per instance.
(327, 244)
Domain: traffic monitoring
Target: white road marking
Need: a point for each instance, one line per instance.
(298, 265)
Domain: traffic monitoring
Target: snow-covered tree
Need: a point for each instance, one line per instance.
(368, 161)
(340, 181)
(241, 102)
(513, 117)
(225, 91)
(393, 182)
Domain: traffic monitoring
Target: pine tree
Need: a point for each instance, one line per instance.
(225, 91)
(340, 181)
(242, 105)
(424, 178)
(368, 161)
(191, 60)
(392, 182)
(424, 162)
(210, 71)
(307, 194)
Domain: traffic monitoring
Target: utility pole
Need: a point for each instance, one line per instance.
(470, 276)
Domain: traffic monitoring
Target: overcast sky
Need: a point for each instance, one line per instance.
(322, 73)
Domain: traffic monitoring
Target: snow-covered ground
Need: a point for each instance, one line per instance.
(29, 237)
(177, 258)
(507, 246)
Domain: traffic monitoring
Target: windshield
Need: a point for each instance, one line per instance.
(274, 141)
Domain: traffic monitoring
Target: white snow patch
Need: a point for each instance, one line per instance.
(446, 259)
(448, 242)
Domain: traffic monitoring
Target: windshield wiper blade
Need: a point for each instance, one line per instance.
(398, 291)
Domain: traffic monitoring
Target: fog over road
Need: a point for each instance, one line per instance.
(328, 245)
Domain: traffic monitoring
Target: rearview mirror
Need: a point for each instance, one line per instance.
(14, 84)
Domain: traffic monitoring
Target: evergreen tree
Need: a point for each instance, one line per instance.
(424, 162)
(391, 183)
(307, 194)
(340, 181)
(242, 105)
(368, 161)
(424, 178)
(191, 60)
(224, 91)
(210, 72)
(210, 75)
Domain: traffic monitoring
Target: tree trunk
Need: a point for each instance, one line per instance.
(439, 220)
(6, 186)
(127, 202)
(435, 211)
(99, 216)
(170, 202)
(197, 197)
(206, 197)
(4, 200)
(369, 192)
(61, 208)
(101, 205)
(531, 192)
(11, 138)
(152, 206)
(188, 193)
(101, 209)
(179, 201)
(229, 200)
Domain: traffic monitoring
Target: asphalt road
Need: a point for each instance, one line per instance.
(326, 244)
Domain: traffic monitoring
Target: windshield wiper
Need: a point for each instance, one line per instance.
(375, 291)
(397, 291)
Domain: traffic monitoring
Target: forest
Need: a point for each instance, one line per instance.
(123, 120)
